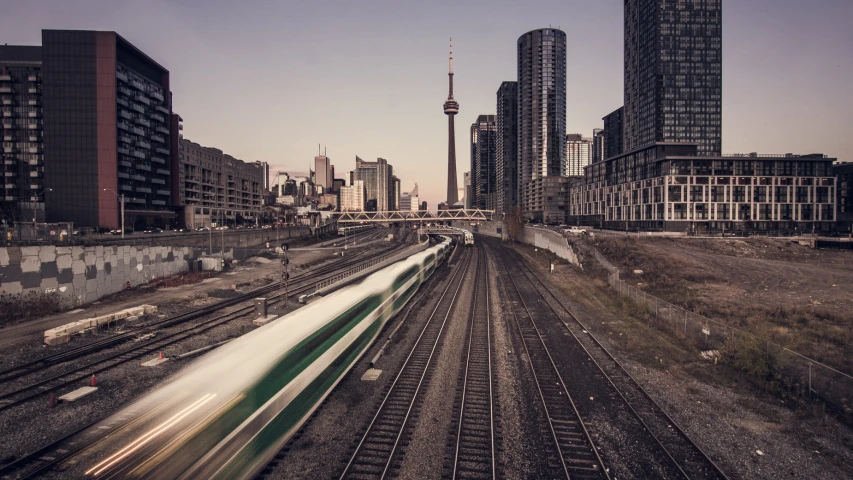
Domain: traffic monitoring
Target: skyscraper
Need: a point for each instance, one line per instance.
(673, 73)
(541, 107)
(451, 108)
(613, 133)
(597, 145)
(578, 153)
(506, 147)
(323, 172)
(484, 134)
(377, 181)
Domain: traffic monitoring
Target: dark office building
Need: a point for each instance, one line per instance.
(673, 73)
(613, 133)
(22, 183)
(484, 133)
(597, 145)
(107, 116)
(506, 147)
(541, 107)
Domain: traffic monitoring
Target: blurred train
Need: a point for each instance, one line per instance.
(231, 411)
(350, 230)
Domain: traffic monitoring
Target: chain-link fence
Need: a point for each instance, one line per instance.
(784, 369)
(24, 233)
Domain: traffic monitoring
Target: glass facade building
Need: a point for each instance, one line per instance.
(673, 73)
(541, 107)
(484, 133)
(579, 151)
(506, 147)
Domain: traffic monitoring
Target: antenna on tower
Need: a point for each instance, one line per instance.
(318, 149)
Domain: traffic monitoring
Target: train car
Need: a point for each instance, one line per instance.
(350, 230)
(469, 239)
(230, 412)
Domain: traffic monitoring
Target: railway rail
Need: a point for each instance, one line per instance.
(376, 451)
(474, 455)
(692, 462)
(63, 379)
(575, 455)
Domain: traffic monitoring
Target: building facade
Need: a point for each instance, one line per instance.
(579, 151)
(844, 177)
(22, 189)
(597, 145)
(613, 133)
(548, 199)
(506, 147)
(668, 186)
(352, 197)
(107, 130)
(377, 178)
(541, 108)
(673, 73)
(323, 172)
(218, 189)
(484, 185)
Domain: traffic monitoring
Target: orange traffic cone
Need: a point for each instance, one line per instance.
(52, 402)
(161, 356)
(94, 382)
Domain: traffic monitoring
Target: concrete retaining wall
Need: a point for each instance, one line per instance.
(550, 240)
(84, 274)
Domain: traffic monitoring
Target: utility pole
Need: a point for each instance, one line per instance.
(285, 274)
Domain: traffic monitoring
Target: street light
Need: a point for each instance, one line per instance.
(121, 197)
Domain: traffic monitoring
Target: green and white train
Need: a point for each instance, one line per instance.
(230, 412)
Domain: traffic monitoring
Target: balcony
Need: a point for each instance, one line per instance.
(142, 121)
(138, 178)
(162, 109)
(123, 126)
(9, 150)
(125, 114)
(138, 108)
(122, 102)
(32, 102)
(5, 78)
(158, 160)
(121, 76)
(137, 85)
(140, 166)
(34, 174)
(164, 192)
(159, 118)
(123, 175)
(126, 91)
(7, 138)
(156, 95)
(33, 150)
(34, 163)
(158, 202)
(33, 114)
(123, 151)
(138, 154)
(162, 172)
(137, 130)
(162, 130)
(33, 91)
(158, 138)
(10, 174)
(6, 90)
(8, 101)
(158, 181)
(143, 99)
(125, 139)
(32, 78)
(8, 114)
(125, 163)
(125, 187)
(33, 139)
(143, 189)
(143, 144)
(161, 150)
(33, 126)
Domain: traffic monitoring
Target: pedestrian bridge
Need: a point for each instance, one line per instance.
(415, 216)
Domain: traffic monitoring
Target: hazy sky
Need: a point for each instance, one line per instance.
(269, 80)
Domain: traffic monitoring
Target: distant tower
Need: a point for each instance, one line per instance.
(451, 108)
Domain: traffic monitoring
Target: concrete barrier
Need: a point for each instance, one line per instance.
(550, 240)
(63, 333)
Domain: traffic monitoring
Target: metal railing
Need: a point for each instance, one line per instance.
(784, 369)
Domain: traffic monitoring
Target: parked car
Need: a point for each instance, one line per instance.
(153, 230)
(575, 231)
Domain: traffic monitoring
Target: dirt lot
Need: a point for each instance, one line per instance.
(797, 296)
(748, 432)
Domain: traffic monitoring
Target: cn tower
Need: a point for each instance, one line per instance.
(451, 108)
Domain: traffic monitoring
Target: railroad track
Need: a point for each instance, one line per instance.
(69, 377)
(474, 455)
(691, 461)
(575, 455)
(387, 432)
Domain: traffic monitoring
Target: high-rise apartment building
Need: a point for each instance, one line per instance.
(352, 198)
(377, 181)
(673, 73)
(22, 184)
(578, 153)
(597, 145)
(613, 133)
(107, 116)
(541, 108)
(218, 189)
(394, 198)
(484, 133)
(506, 147)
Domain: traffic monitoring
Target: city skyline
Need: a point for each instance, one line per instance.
(352, 98)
